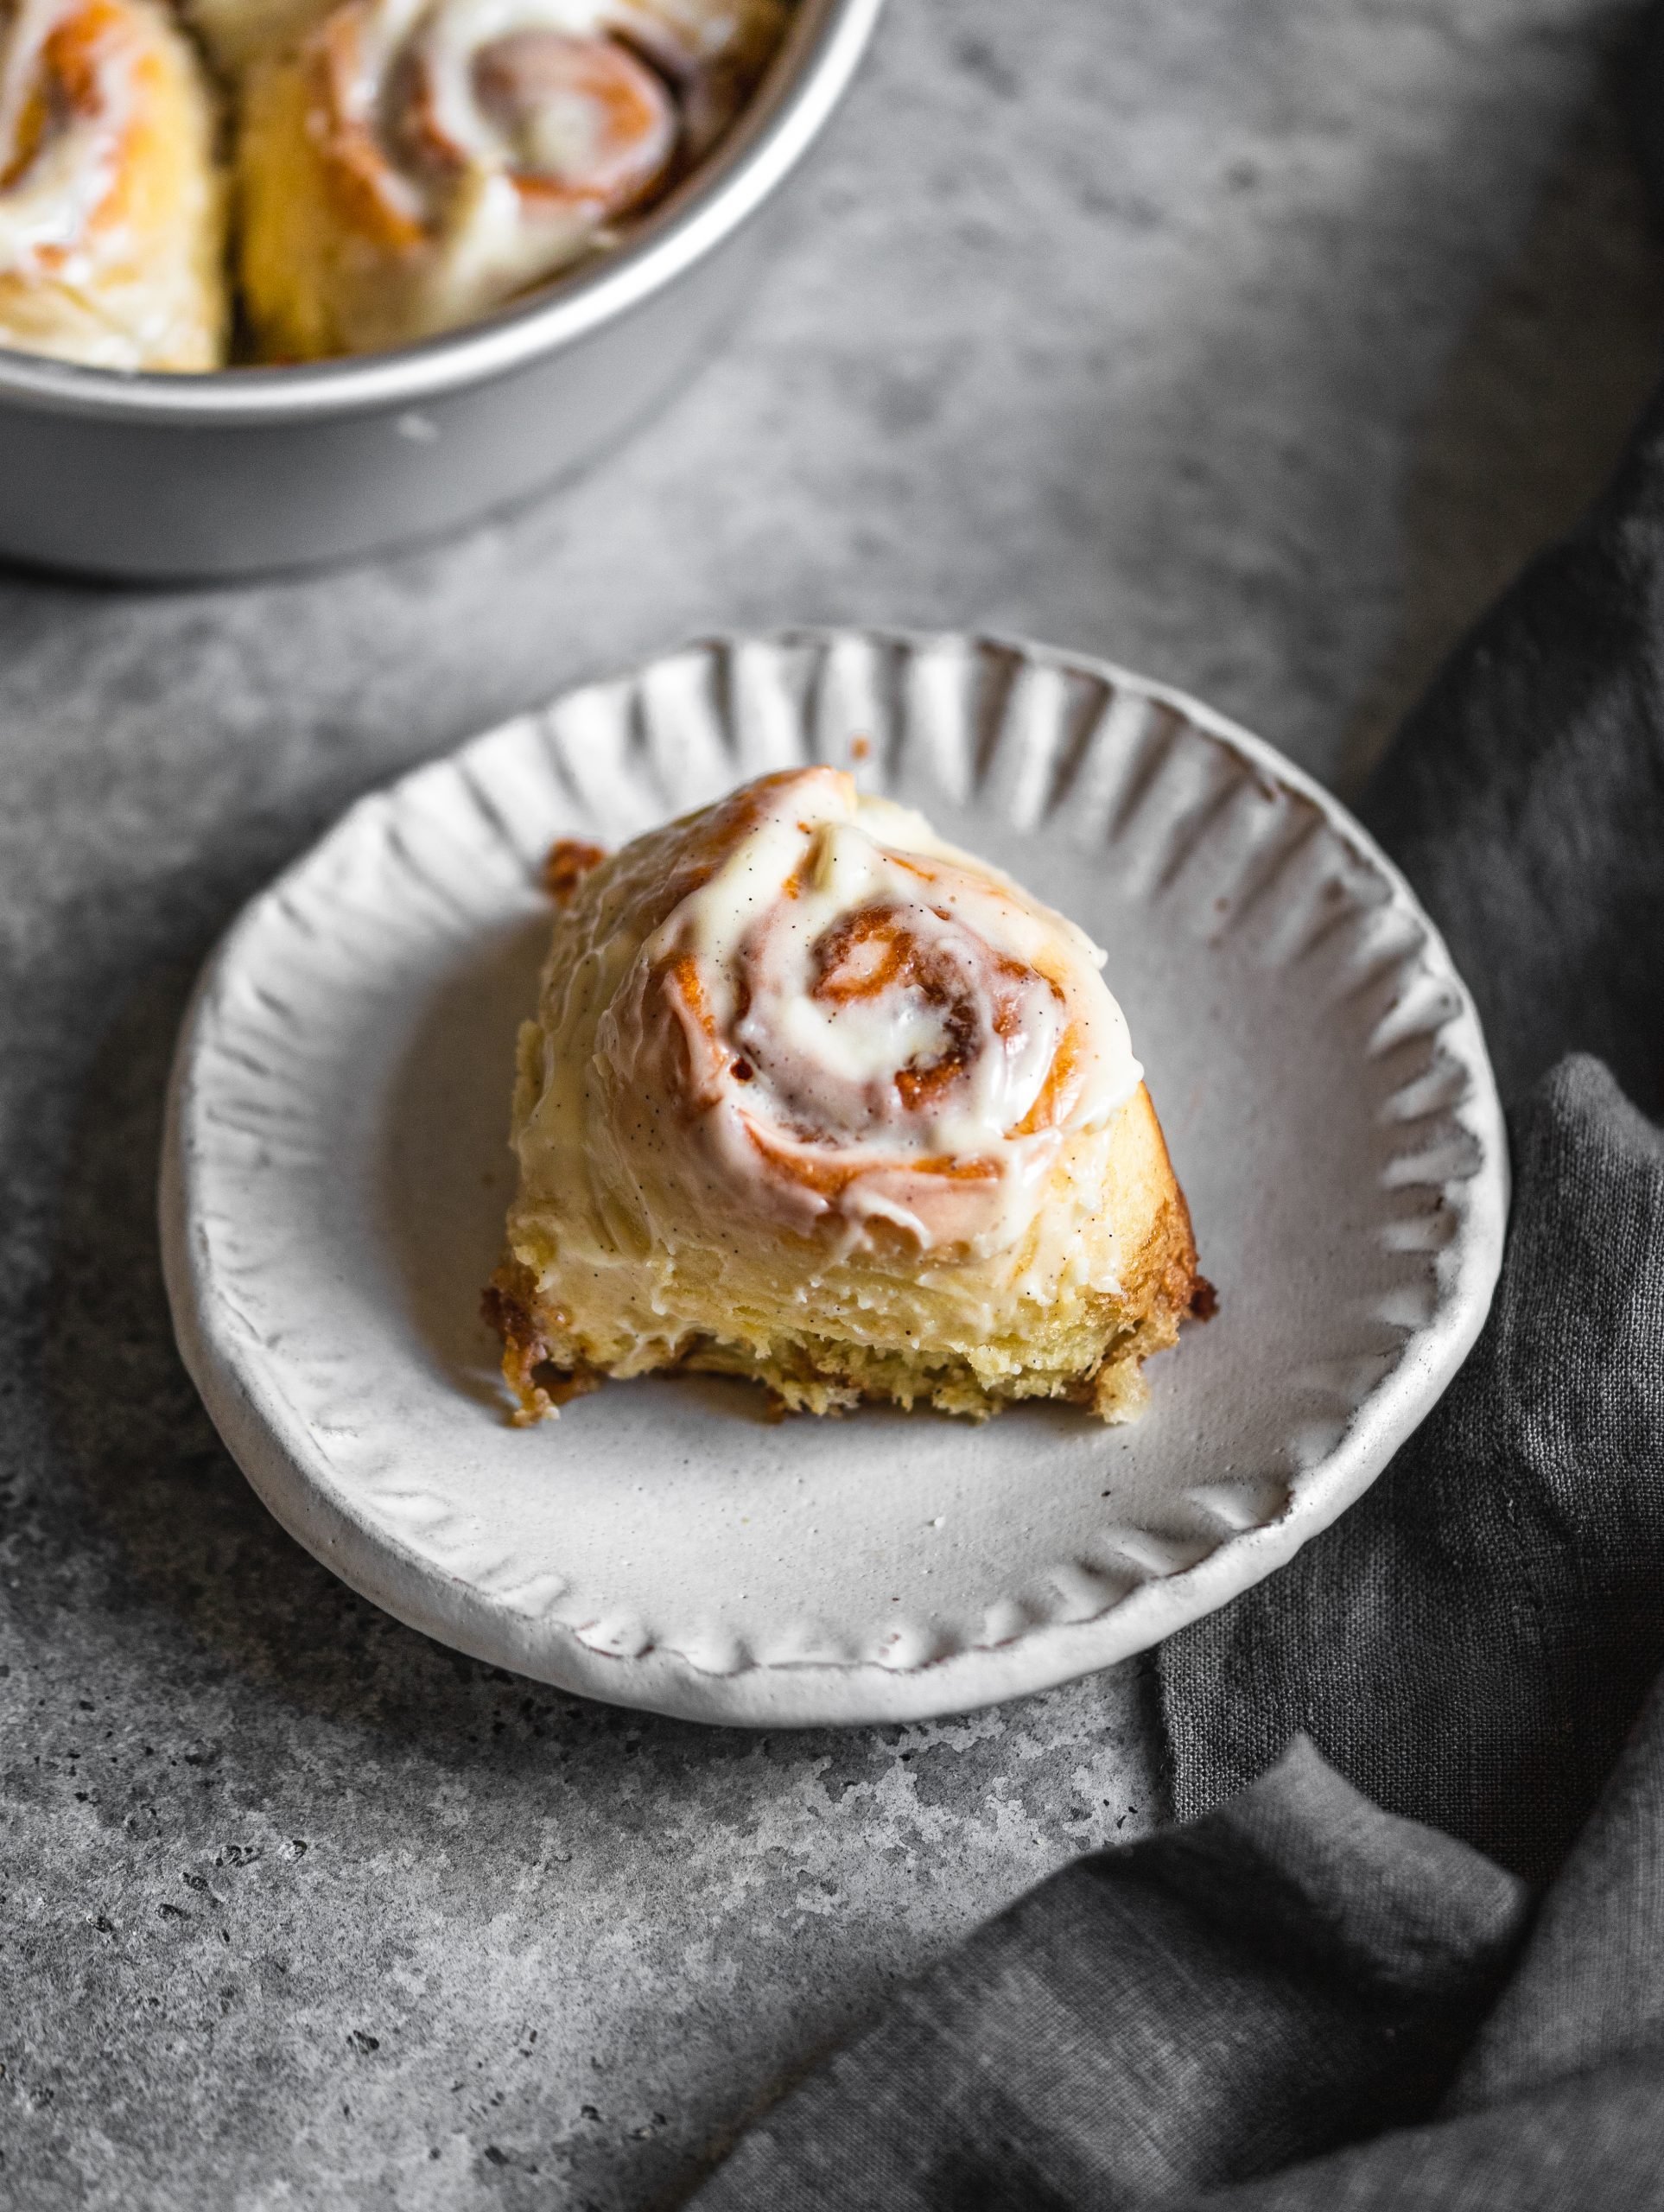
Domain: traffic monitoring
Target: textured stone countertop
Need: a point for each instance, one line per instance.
(1249, 341)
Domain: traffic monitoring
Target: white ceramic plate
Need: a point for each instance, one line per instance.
(336, 1171)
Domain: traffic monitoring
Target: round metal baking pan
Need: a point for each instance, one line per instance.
(245, 470)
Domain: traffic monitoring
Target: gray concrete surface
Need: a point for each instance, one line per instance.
(1252, 341)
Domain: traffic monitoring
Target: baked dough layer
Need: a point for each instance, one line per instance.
(814, 1099)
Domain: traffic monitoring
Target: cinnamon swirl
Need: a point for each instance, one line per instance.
(413, 163)
(110, 206)
(813, 1097)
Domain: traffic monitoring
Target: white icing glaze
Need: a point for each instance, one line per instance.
(877, 1027)
(48, 212)
(453, 39)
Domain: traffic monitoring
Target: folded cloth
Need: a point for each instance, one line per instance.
(1470, 1644)
(1297, 1956)
(1261, 1994)
(1304, 1998)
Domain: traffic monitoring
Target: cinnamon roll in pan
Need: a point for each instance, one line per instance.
(112, 218)
(407, 166)
(814, 1099)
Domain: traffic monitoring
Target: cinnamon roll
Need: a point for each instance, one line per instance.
(814, 1098)
(413, 163)
(110, 205)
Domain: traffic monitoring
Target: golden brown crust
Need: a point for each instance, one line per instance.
(567, 862)
(530, 1365)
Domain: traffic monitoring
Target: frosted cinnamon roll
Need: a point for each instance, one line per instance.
(110, 205)
(812, 1097)
(414, 163)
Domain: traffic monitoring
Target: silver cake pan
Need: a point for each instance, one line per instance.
(183, 477)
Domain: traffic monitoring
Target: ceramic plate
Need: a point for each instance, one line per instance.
(336, 1171)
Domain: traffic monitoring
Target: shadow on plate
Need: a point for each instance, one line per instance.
(446, 1173)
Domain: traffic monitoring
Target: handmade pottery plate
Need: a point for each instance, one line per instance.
(336, 1171)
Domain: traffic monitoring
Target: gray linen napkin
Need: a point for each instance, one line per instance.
(1334, 1989)
(1470, 1644)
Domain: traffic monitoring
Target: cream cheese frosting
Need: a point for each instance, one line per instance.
(877, 1027)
